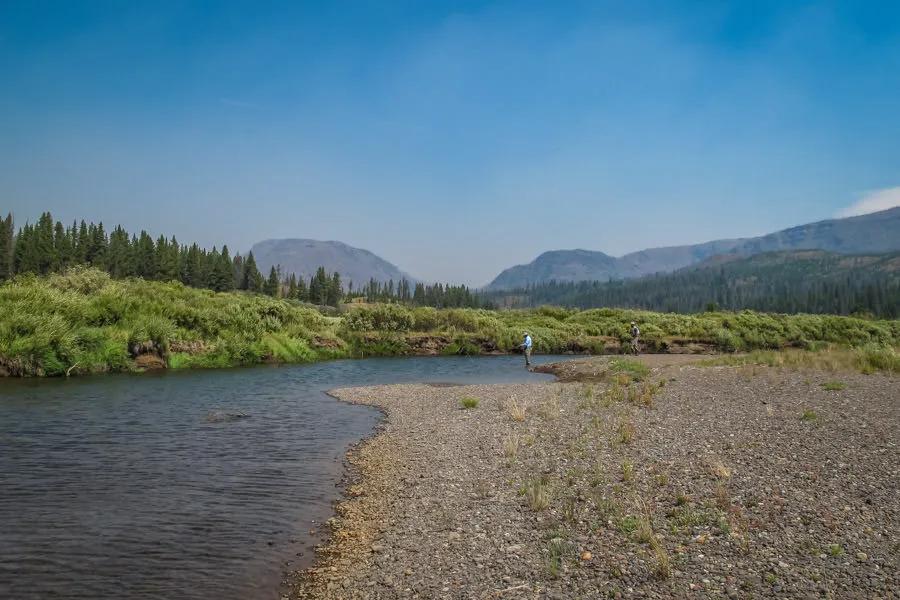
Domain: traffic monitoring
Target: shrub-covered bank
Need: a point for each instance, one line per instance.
(85, 322)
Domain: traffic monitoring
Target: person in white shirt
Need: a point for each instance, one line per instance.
(526, 346)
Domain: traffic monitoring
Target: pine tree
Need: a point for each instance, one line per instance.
(253, 279)
(333, 296)
(302, 290)
(292, 287)
(82, 244)
(167, 258)
(43, 247)
(145, 257)
(237, 271)
(191, 269)
(119, 257)
(63, 252)
(273, 284)
(221, 276)
(7, 243)
(98, 246)
(318, 287)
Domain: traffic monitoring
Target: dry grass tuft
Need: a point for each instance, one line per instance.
(511, 446)
(537, 495)
(549, 409)
(718, 469)
(662, 567)
(723, 501)
(516, 411)
(626, 432)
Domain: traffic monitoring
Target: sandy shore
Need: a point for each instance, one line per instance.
(699, 482)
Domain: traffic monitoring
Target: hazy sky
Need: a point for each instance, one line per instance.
(453, 139)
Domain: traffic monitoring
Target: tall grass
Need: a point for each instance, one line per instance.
(84, 322)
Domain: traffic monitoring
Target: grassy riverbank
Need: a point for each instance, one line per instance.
(85, 322)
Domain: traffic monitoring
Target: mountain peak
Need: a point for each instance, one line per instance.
(872, 233)
(302, 256)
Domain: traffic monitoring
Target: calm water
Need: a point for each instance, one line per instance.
(122, 487)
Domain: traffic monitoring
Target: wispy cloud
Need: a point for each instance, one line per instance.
(872, 202)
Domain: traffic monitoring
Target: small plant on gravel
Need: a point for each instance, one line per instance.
(648, 391)
(722, 499)
(537, 495)
(723, 525)
(613, 395)
(626, 432)
(549, 409)
(607, 510)
(662, 479)
(469, 402)
(570, 509)
(634, 395)
(597, 477)
(718, 469)
(556, 550)
(834, 386)
(515, 409)
(681, 499)
(809, 415)
(628, 524)
(662, 567)
(644, 531)
(636, 370)
(627, 472)
(622, 380)
(511, 446)
(687, 517)
(835, 550)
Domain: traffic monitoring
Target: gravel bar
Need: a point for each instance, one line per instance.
(699, 482)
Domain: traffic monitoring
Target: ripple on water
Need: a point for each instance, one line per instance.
(121, 487)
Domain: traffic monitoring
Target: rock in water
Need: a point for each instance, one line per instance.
(218, 416)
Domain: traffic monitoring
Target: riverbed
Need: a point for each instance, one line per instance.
(183, 485)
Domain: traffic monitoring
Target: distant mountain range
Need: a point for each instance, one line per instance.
(812, 281)
(867, 234)
(302, 257)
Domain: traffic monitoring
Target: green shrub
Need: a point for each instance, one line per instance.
(379, 317)
(469, 402)
(83, 321)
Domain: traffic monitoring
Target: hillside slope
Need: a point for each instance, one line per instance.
(867, 234)
(811, 281)
(302, 257)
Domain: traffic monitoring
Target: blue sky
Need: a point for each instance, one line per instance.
(454, 139)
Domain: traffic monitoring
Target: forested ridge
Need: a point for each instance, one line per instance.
(49, 246)
(788, 282)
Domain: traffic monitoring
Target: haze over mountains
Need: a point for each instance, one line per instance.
(302, 257)
(867, 234)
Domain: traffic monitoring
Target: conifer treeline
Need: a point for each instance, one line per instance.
(818, 283)
(437, 295)
(48, 246)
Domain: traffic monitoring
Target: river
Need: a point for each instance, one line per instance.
(135, 486)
